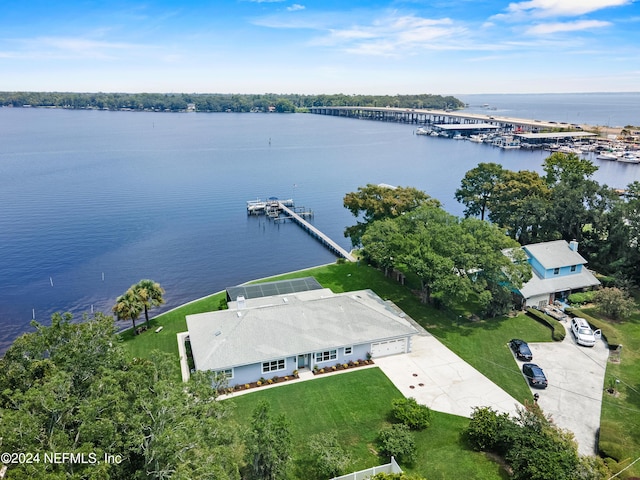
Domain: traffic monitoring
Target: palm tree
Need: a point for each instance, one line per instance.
(149, 293)
(128, 306)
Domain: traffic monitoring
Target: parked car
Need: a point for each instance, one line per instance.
(521, 349)
(535, 375)
(582, 332)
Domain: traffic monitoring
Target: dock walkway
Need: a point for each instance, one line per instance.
(317, 233)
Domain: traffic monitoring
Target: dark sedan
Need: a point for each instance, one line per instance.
(535, 375)
(521, 350)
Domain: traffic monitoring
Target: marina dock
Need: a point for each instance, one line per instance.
(280, 210)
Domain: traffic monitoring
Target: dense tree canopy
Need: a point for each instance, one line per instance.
(219, 102)
(69, 388)
(564, 203)
(268, 444)
(477, 188)
(377, 202)
(453, 258)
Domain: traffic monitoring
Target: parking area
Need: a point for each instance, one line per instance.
(438, 378)
(576, 377)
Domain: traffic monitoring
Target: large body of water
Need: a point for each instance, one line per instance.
(91, 202)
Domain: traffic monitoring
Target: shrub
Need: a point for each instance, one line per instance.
(580, 298)
(327, 457)
(490, 431)
(397, 441)
(410, 413)
(557, 329)
(614, 303)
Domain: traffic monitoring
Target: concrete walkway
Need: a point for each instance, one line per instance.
(438, 378)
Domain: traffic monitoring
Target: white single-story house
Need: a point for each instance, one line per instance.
(275, 335)
(557, 270)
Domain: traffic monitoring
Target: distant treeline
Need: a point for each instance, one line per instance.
(160, 102)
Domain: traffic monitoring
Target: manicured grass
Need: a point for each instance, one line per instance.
(620, 416)
(482, 344)
(357, 405)
(172, 322)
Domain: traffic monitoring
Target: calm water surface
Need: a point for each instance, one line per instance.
(92, 202)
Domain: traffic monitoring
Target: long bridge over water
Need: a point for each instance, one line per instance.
(434, 117)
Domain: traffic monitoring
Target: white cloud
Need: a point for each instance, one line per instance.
(71, 47)
(295, 7)
(558, 8)
(394, 35)
(556, 27)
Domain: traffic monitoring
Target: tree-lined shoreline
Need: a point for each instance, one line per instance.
(218, 102)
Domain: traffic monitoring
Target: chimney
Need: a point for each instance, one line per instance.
(573, 245)
(240, 302)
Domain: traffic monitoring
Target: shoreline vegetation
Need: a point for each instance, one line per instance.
(218, 102)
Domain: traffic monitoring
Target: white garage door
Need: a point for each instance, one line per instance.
(390, 347)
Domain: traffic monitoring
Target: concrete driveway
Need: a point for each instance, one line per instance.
(573, 398)
(438, 378)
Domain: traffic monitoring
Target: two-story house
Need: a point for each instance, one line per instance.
(558, 270)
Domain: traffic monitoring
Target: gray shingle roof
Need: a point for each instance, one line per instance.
(554, 254)
(290, 325)
(538, 286)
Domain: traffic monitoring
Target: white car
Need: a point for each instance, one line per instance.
(582, 332)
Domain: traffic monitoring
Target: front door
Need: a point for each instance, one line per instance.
(302, 361)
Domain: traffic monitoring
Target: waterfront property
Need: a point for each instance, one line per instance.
(557, 270)
(276, 335)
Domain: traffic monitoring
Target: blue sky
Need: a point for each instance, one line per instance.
(314, 46)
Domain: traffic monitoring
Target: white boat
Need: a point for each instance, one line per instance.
(423, 131)
(457, 136)
(606, 156)
(476, 138)
(629, 158)
(507, 142)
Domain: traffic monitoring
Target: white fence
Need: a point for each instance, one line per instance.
(391, 467)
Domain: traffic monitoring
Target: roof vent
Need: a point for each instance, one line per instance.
(217, 333)
(239, 314)
(240, 302)
(285, 300)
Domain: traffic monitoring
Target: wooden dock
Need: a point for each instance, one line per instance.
(314, 232)
(274, 208)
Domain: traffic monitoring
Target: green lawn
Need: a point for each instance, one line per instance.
(620, 416)
(482, 344)
(172, 322)
(357, 405)
(357, 410)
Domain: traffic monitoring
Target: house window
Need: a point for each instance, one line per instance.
(556, 271)
(326, 356)
(573, 268)
(227, 373)
(348, 350)
(273, 366)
